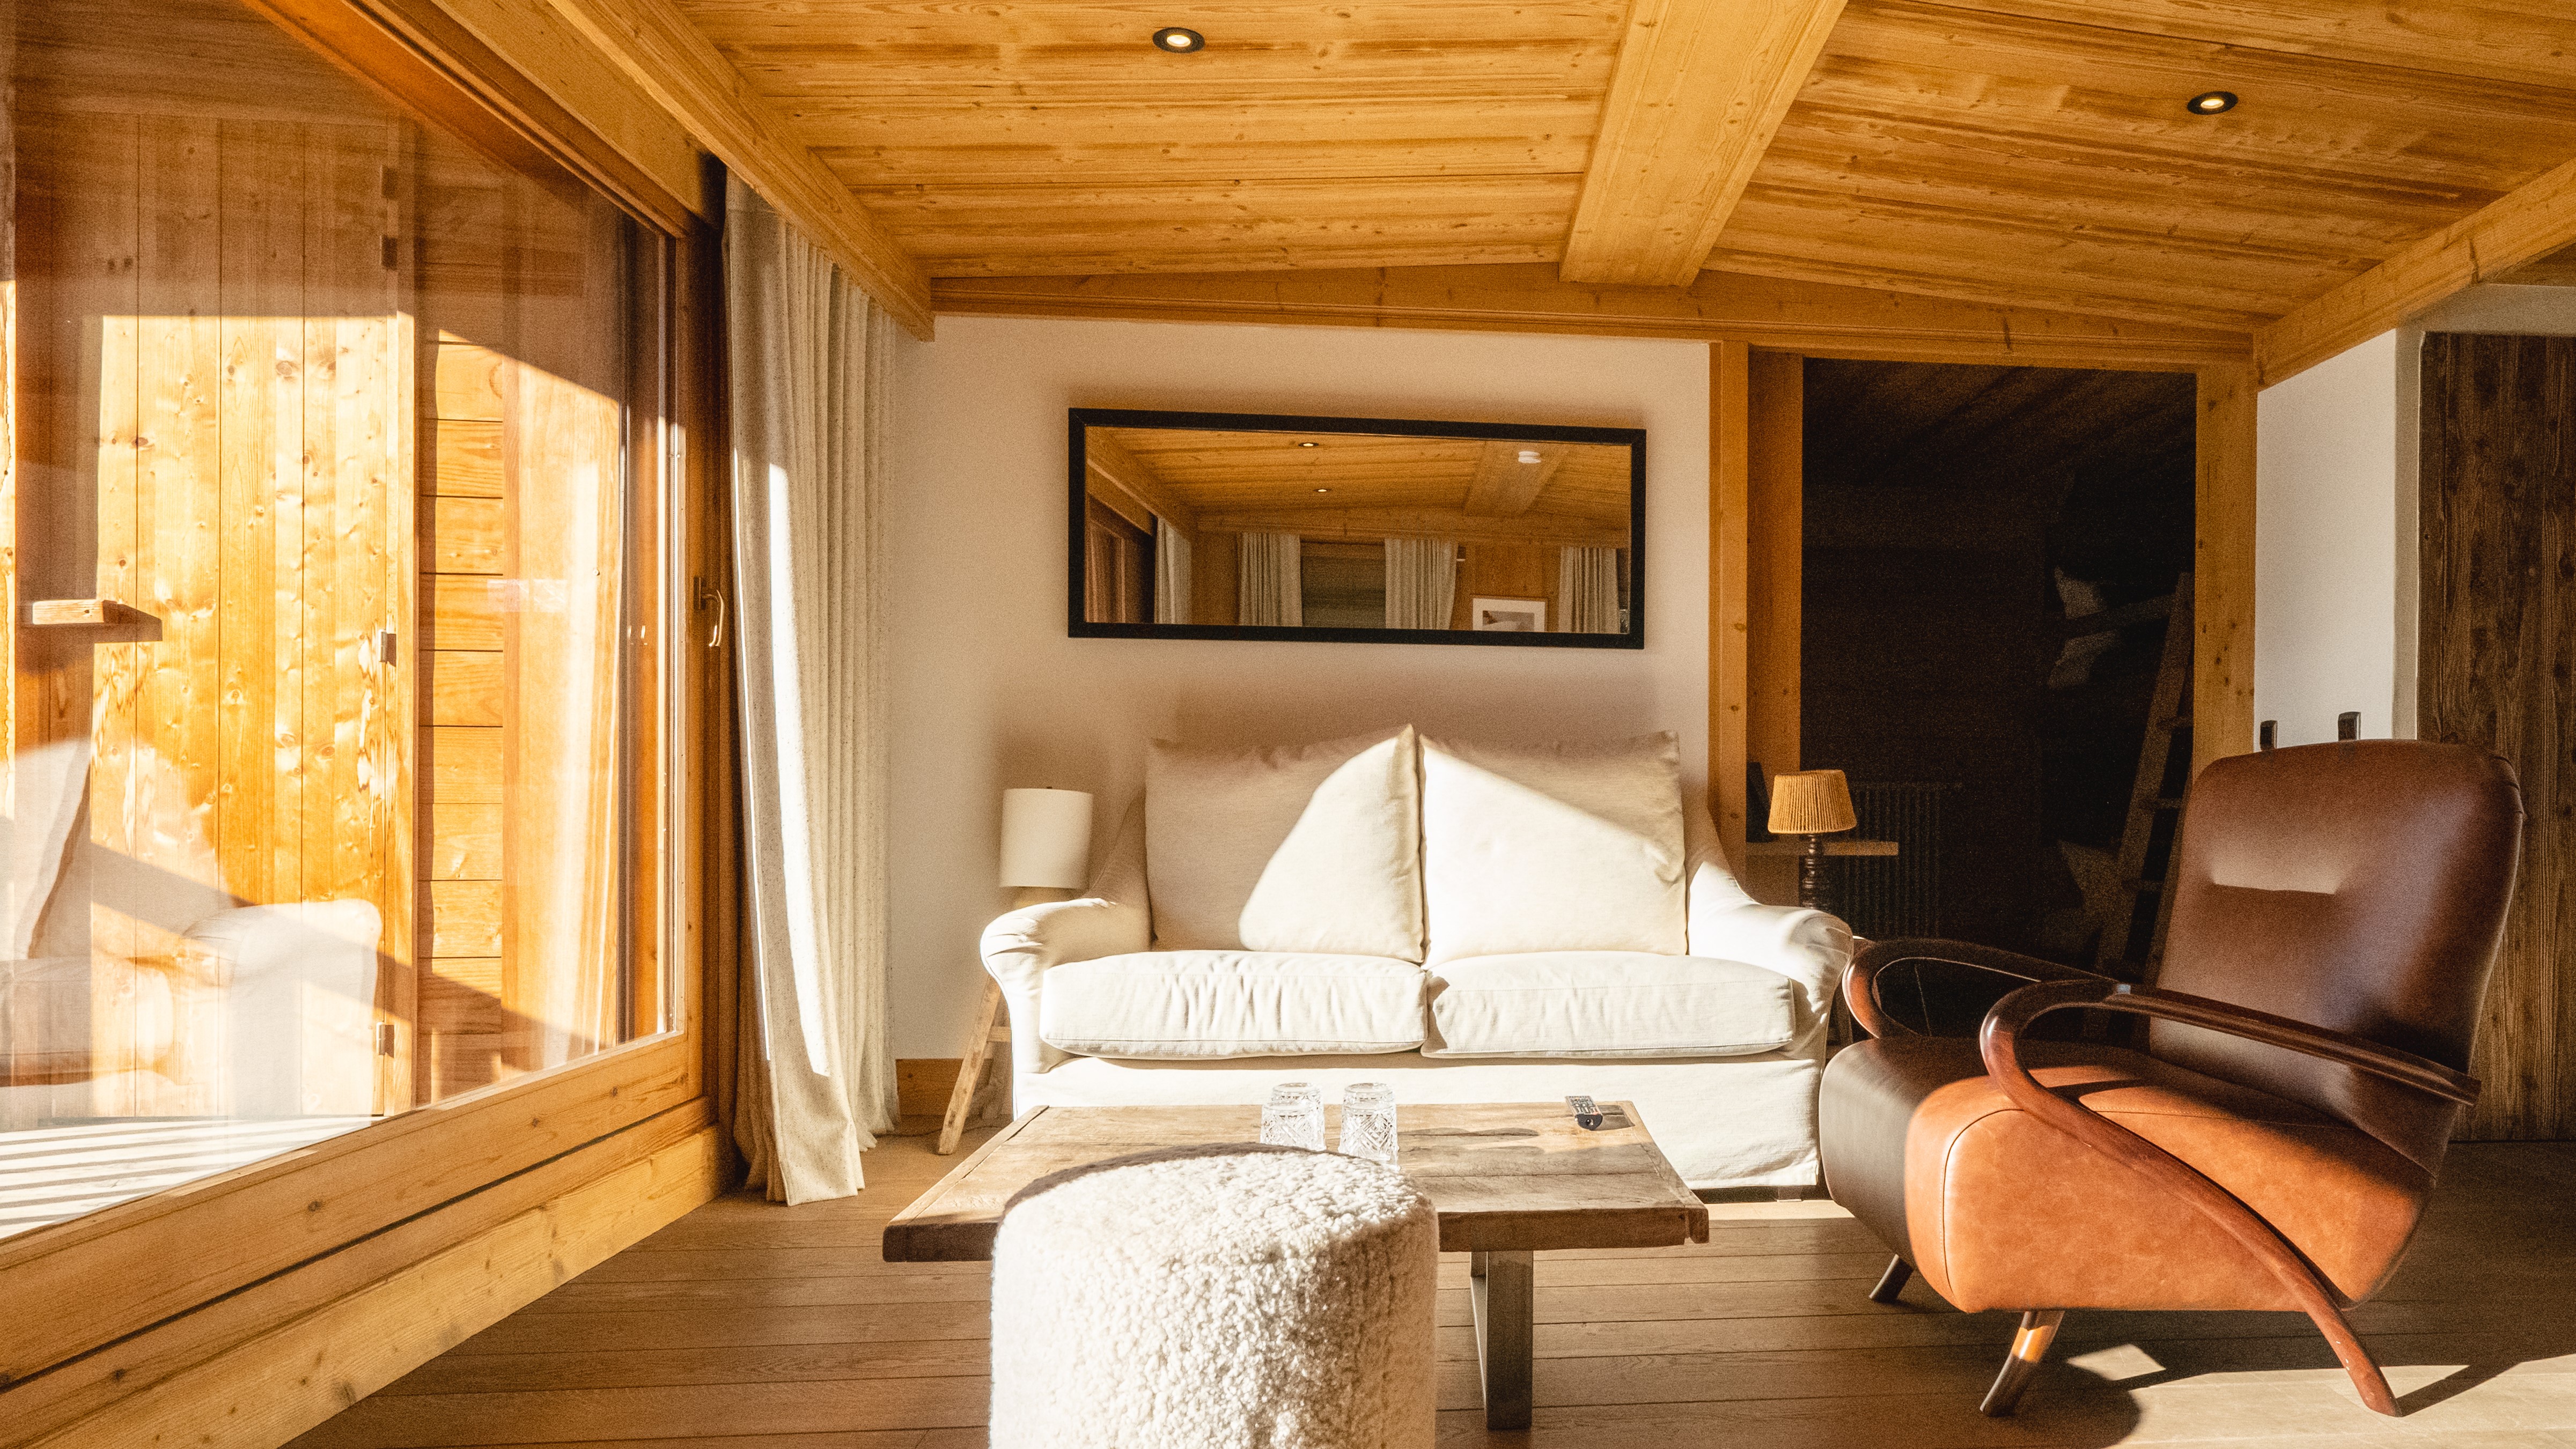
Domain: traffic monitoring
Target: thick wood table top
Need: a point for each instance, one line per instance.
(1506, 1177)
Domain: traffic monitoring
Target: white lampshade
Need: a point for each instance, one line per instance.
(1046, 838)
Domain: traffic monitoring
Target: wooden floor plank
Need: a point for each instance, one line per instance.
(752, 1326)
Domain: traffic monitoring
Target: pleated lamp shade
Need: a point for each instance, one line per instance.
(1811, 802)
(1046, 838)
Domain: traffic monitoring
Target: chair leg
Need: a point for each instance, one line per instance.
(1892, 1282)
(2029, 1346)
(2367, 1380)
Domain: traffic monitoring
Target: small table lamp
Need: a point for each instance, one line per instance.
(1811, 804)
(1046, 841)
(1046, 852)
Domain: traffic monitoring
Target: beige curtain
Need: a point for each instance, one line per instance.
(1171, 573)
(1587, 590)
(807, 355)
(1272, 582)
(1421, 582)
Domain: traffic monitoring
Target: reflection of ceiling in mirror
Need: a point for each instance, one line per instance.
(1345, 485)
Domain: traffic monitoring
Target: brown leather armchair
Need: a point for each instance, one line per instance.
(2272, 1142)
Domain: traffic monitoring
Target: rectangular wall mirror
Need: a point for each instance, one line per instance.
(1254, 526)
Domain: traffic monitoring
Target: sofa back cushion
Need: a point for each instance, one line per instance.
(1313, 848)
(1561, 847)
(1197, 1005)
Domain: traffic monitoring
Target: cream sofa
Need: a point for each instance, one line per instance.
(1471, 923)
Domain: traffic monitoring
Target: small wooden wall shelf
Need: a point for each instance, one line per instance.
(85, 614)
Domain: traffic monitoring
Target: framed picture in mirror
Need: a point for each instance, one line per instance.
(1186, 525)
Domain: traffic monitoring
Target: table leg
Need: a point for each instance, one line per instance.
(1506, 1318)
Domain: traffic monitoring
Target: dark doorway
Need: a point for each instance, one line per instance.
(1955, 518)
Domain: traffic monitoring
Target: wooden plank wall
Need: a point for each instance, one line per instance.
(524, 373)
(2498, 607)
(1507, 571)
(216, 400)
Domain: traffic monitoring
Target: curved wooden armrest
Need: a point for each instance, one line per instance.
(1860, 983)
(2022, 1007)
(1999, 1043)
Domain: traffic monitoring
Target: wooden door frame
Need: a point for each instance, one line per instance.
(138, 1295)
(1756, 533)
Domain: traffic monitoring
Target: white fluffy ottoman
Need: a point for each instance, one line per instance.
(1209, 1297)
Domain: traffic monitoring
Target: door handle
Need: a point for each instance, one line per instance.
(711, 597)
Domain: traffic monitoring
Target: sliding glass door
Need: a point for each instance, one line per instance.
(330, 784)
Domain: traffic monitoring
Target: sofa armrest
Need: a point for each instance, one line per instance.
(1112, 920)
(1726, 923)
(1020, 946)
(1810, 947)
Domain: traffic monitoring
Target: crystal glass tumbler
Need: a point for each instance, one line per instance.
(1368, 1122)
(1294, 1117)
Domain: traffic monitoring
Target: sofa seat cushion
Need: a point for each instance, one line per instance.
(1607, 1004)
(1182, 1005)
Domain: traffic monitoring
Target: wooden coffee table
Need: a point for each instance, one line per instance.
(1508, 1180)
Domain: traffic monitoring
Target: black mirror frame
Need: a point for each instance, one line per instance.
(1078, 627)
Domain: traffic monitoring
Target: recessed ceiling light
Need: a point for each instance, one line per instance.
(1309, 445)
(1179, 41)
(1323, 490)
(1529, 456)
(2210, 103)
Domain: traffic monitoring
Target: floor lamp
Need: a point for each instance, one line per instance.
(1046, 856)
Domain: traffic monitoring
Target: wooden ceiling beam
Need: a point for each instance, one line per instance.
(1504, 486)
(2524, 226)
(1105, 457)
(682, 70)
(1814, 318)
(1699, 90)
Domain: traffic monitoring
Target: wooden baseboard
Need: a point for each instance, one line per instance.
(254, 1370)
(922, 1085)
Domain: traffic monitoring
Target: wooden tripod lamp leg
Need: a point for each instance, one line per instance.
(992, 1026)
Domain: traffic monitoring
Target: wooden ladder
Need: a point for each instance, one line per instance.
(2146, 857)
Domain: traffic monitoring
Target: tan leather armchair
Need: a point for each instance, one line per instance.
(2273, 1141)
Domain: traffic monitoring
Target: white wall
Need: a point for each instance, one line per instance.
(2335, 544)
(990, 693)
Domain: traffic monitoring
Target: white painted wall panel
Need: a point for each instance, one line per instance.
(2335, 543)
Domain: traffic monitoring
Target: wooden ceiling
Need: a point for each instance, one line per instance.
(2031, 152)
(2011, 430)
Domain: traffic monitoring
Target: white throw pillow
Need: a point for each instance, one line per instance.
(1608, 1004)
(1195, 1005)
(1563, 847)
(1286, 848)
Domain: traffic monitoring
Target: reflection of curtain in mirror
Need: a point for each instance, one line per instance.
(1273, 583)
(1171, 573)
(1587, 590)
(1421, 582)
